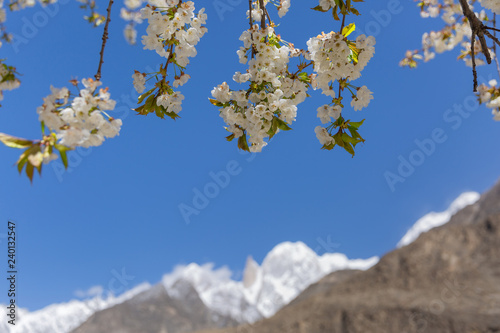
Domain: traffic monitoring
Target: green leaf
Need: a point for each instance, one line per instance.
(273, 128)
(39, 168)
(230, 137)
(349, 148)
(319, 9)
(160, 111)
(172, 115)
(62, 149)
(354, 11)
(334, 13)
(356, 125)
(242, 142)
(338, 138)
(304, 77)
(347, 138)
(348, 29)
(143, 96)
(22, 160)
(215, 102)
(29, 171)
(282, 125)
(14, 142)
(328, 147)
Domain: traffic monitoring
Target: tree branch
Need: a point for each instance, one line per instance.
(104, 39)
(250, 13)
(251, 26)
(494, 44)
(492, 28)
(263, 16)
(473, 56)
(479, 30)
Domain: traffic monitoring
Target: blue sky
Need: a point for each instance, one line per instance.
(117, 207)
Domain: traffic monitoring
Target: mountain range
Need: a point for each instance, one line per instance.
(446, 281)
(195, 297)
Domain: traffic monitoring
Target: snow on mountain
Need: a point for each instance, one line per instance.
(290, 268)
(433, 219)
(216, 289)
(287, 270)
(64, 317)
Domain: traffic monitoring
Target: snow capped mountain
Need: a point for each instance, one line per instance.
(433, 219)
(286, 271)
(64, 317)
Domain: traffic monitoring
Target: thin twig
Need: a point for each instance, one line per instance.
(263, 15)
(250, 11)
(473, 56)
(268, 16)
(478, 29)
(343, 24)
(495, 40)
(495, 45)
(341, 28)
(251, 26)
(104, 39)
(491, 28)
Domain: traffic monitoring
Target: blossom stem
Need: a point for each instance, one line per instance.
(343, 24)
(104, 39)
(479, 30)
(494, 44)
(340, 32)
(263, 16)
(251, 26)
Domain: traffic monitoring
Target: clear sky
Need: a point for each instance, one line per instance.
(117, 207)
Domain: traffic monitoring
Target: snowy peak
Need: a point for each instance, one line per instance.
(64, 317)
(286, 271)
(288, 259)
(331, 262)
(433, 219)
(289, 268)
(251, 272)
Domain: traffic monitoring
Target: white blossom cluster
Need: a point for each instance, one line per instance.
(82, 121)
(184, 30)
(444, 40)
(3, 14)
(8, 81)
(327, 4)
(283, 7)
(22, 4)
(131, 14)
(273, 97)
(173, 32)
(456, 31)
(493, 5)
(491, 96)
(139, 81)
(334, 60)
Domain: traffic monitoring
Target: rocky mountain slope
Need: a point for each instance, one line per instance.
(195, 297)
(211, 298)
(154, 311)
(446, 281)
